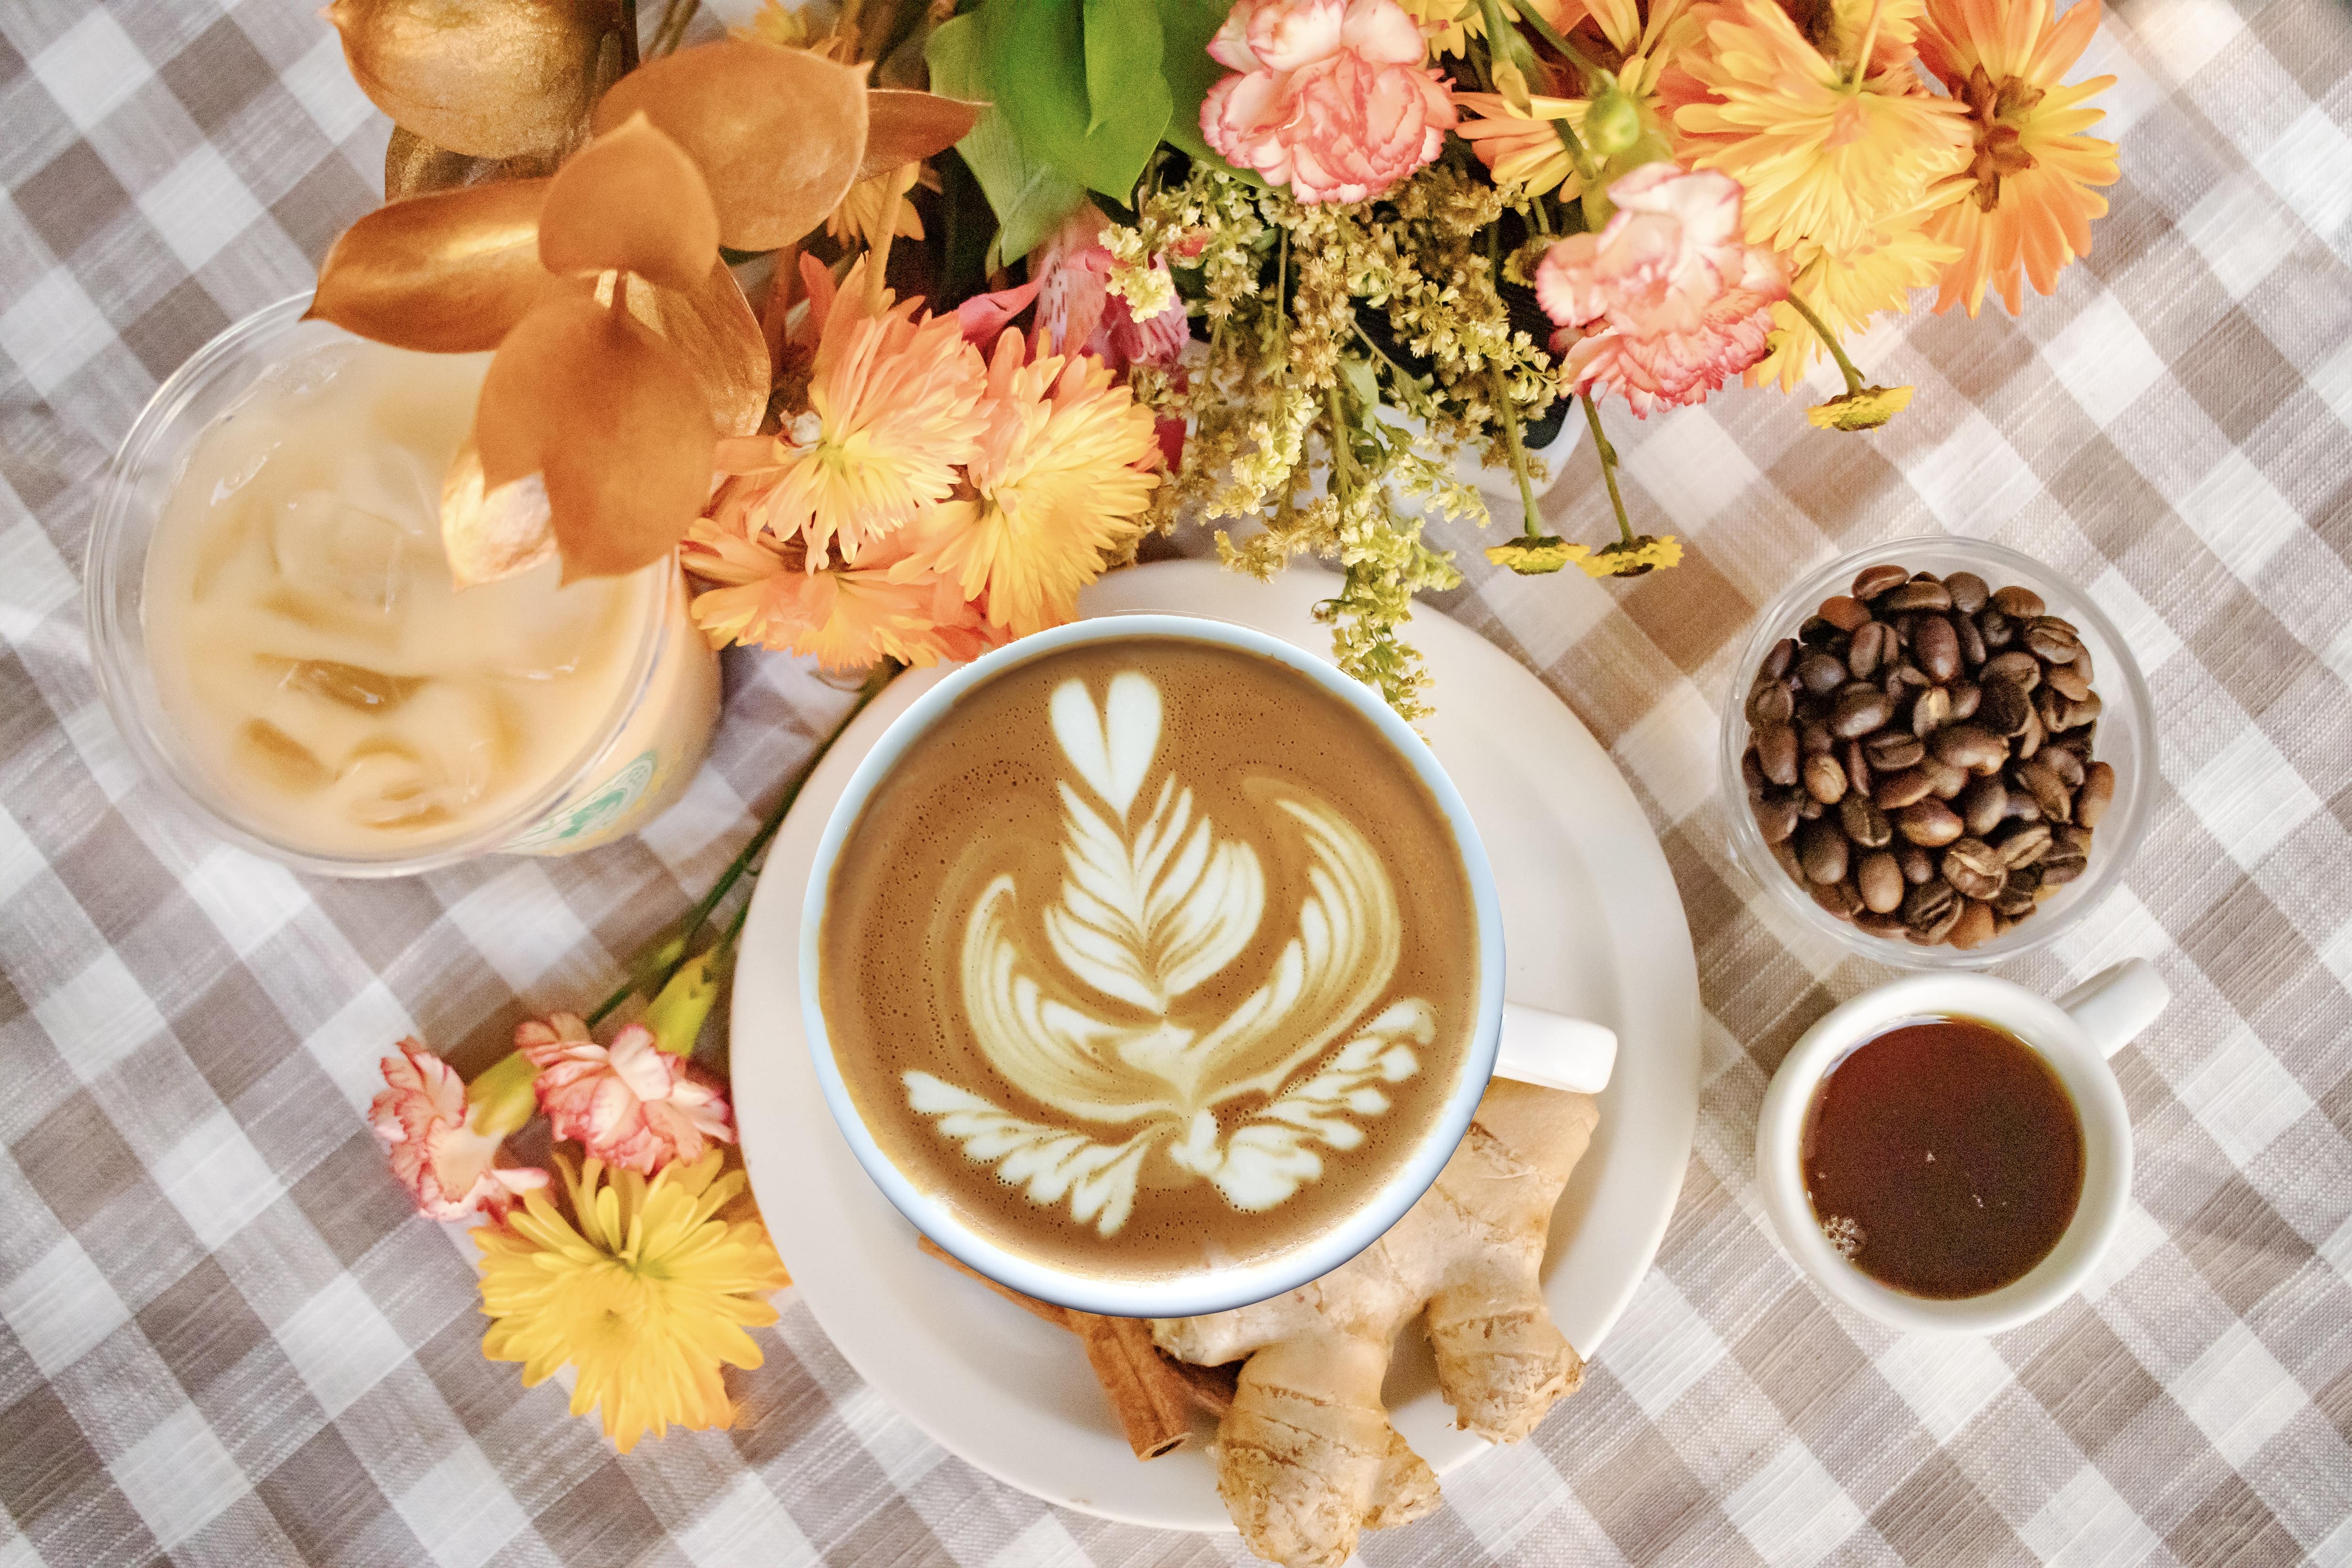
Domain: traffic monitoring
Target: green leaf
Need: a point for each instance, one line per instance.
(1034, 59)
(1122, 42)
(1185, 28)
(1028, 195)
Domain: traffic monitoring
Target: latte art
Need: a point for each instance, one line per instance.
(1147, 913)
(1149, 950)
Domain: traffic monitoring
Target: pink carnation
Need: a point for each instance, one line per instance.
(1080, 314)
(1668, 301)
(447, 1166)
(630, 1104)
(1332, 99)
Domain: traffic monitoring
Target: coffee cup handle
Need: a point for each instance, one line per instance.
(2115, 1005)
(1555, 1051)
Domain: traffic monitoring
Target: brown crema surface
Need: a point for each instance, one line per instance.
(981, 796)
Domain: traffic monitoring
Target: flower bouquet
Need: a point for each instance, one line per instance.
(901, 329)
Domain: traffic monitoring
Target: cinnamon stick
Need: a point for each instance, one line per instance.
(1151, 1392)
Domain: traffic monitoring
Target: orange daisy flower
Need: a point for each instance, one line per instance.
(2030, 205)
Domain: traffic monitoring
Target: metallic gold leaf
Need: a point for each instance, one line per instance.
(414, 167)
(447, 273)
(712, 326)
(779, 134)
(609, 417)
(491, 533)
(486, 80)
(631, 200)
(903, 127)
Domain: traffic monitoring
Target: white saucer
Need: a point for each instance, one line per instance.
(1011, 1394)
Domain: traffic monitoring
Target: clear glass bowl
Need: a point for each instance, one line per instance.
(2126, 741)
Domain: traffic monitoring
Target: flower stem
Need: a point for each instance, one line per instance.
(670, 31)
(877, 262)
(696, 917)
(1608, 456)
(1510, 416)
(1556, 39)
(1829, 339)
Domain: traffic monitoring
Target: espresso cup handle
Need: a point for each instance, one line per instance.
(1555, 1051)
(2113, 1006)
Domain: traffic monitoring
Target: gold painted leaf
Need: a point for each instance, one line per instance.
(779, 134)
(904, 127)
(711, 324)
(484, 80)
(609, 417)
(491, 533)
(634, 201)
(447, 273)
(414, 167)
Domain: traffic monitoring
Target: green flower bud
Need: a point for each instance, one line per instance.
(1612, 122)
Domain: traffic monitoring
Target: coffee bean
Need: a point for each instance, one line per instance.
(1968, 592)
(2059, 869)
(1776, 663)
(1974, 868)
(1973, 651)
(1815, 737)
(1936, 648)
(2082, 665)
(1978, 750)
(1930, 711)
(1839, 898)
(2023, 604)
(1776, 817)
(2085, 711)
(1929, 822)
(1930, 910)
(2048, 790)
(2073, 839)
(2024, 844)
(1884, 578)
(1807, 806)
(1912, 677)
(1820, 674)
(2030, 739)
(1898, 790)
(2053, 709)
(1825, 778)
(1776, 752)
(2014, 901)
(2016, 665)
(1998, 630)
(2023, 807)
(2003, 707)
(1892, 750)
(1983, 806)
(1817, 632)
(1823, 850)
(1889, 925)
(2061, 761)
(1918, 865)
(1859, 710)
(2097, 792)
(1751, 773)
(1843, 612)
(1880, 881)
(1771, 703)
(2051, 640)
(1974, 928)
(1857, 768)
(1869, 649)
(2069, 680)
(1864, 822)
(1785, 852)
(1920, 594)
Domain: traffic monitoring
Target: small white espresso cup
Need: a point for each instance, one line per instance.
(2076, 1034)
(1527, 1043)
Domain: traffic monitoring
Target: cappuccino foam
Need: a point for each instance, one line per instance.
(1149, 956)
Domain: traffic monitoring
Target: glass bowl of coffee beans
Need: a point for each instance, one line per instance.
(1938, 751)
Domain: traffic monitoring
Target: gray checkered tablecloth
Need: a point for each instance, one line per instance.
(227, 1341)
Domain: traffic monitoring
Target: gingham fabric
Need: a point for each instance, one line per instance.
(227, 1340)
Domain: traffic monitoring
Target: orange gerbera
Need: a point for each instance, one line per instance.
(844, 617)
(2030, 206)
(1828, 147)
(1060, 481)
(892, 414)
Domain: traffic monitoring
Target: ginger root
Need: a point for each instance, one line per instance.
(1306, 1457)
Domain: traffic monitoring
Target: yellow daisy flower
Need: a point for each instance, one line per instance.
(646, 1292)
(1631, 558)
(2029, 202)
(1825, 148)
(1847, 288)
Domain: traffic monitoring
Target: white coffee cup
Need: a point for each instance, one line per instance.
(1527, 1043)
(2076, 1034)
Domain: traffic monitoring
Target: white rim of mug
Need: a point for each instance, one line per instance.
(133, 482)
(2120, 833)
(1208, 1291)
(2098, 1103)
